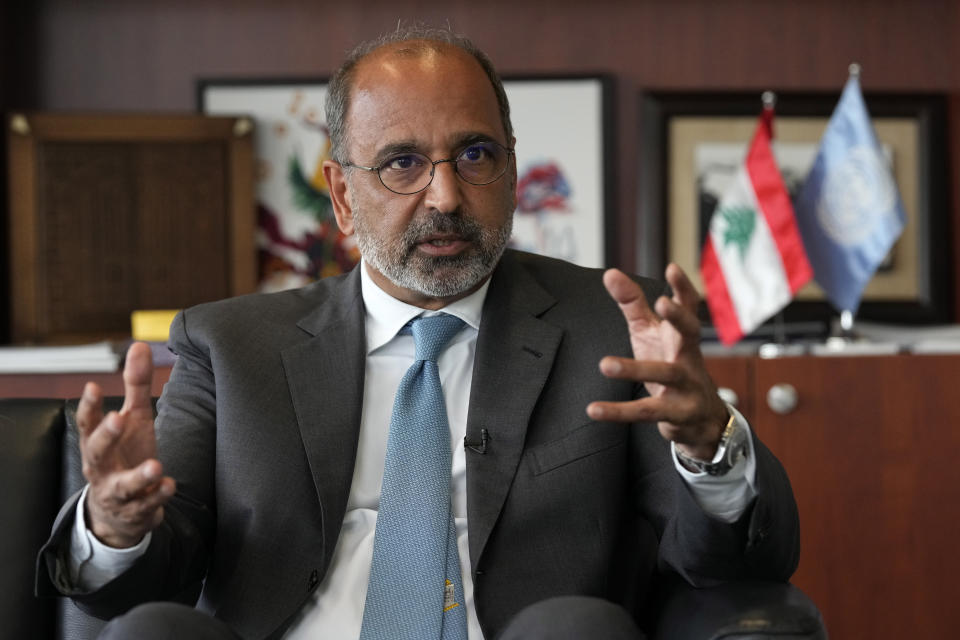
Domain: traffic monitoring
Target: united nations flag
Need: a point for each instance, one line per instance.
(849, 210)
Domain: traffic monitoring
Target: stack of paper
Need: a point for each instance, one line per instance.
(97, 357)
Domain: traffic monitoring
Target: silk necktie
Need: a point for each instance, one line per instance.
(415, 590)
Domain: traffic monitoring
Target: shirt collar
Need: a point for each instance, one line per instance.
(386, 315)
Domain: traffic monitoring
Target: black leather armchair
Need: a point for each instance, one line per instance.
(738, 611)
(41, 467)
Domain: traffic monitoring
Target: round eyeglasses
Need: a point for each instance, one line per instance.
(480, 163)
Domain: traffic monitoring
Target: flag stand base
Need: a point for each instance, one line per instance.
(846, 341)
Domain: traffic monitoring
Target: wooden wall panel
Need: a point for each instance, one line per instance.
(148, 55)
(139, 55)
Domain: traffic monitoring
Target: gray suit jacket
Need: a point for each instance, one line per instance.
(259, 426)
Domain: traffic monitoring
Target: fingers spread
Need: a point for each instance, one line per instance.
(684, 293)
(157, 497)
(683, 319)
(641, 370)
(627, 294)
(647, 409)
(90, 409)
(135, 483)
(616, 411)
(99, 444)
(137, 378)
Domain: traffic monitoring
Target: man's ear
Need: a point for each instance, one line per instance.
(339, 195)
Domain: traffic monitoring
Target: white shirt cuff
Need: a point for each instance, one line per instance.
(724, 497)
(92, 563)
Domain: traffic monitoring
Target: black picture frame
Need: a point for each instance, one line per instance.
(931, 303)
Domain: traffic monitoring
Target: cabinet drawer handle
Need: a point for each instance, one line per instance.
(782, 398)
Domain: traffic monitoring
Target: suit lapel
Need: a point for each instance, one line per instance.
(325, 378)
(515, 353)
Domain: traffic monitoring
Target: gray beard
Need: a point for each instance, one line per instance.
(434, 276)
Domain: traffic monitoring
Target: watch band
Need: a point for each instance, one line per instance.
(730, 450)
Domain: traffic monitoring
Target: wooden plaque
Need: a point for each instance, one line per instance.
(112, 213)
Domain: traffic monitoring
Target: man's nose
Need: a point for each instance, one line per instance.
(444, 193)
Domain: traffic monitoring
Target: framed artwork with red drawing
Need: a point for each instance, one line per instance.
(562, 153)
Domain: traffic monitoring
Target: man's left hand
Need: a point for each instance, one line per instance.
(683, 399)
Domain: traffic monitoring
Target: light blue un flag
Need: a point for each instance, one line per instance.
(849, 210)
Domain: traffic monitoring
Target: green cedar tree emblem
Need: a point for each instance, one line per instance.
(740, 224)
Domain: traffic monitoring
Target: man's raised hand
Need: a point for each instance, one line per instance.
(127, 486)
(667, 359)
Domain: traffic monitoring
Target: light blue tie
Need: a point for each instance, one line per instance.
(415, 590)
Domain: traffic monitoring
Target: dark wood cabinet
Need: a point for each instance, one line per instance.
(871, 449)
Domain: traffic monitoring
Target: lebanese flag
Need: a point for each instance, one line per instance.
(753, 260)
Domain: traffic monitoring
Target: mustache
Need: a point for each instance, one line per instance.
(435, 222)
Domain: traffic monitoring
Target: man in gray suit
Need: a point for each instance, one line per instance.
(591, 454)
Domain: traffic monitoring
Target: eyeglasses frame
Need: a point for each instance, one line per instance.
(433, 169)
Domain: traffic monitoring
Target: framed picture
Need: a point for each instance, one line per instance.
(694, 142)
(297, 237)
(563, 149)
(564, 186)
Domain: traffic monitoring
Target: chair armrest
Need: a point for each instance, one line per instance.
(30, 433)
(737, 610)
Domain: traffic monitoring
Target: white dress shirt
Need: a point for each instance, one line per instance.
(336, 610)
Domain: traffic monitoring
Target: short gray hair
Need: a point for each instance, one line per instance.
(338, 92)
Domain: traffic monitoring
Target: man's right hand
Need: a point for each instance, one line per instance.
(127, 485)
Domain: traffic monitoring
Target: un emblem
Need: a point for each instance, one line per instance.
(855, 195)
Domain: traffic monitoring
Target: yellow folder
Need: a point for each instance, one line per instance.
(152, 325)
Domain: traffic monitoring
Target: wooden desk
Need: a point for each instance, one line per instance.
(69, 385)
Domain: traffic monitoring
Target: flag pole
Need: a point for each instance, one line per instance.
(779, 329)
(769, 99)
(779, 345)
(846, 323)
(847, 334)
(843, 336)
(846, 315)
